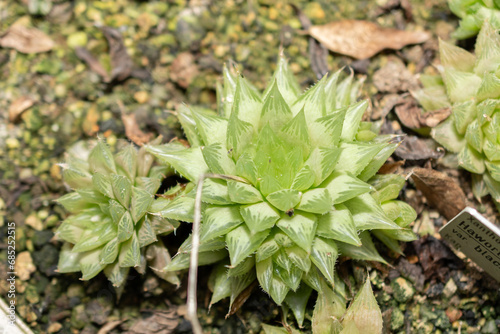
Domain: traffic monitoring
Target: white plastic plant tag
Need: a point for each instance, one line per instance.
(9, 322)
(477, 238)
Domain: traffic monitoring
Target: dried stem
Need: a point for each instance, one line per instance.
(192, 304)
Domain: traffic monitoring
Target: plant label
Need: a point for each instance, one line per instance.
(477, 238)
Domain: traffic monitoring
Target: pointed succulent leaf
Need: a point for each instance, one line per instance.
(471, 160)
(387, 186)
(456, 57)
(176, 157)
(338, 225)
(69, 261)
(259, 217)
(215, 191)
(316, 201)
(238, 284)
(126, 159)
(218, 160)
(151, 185)
(141, 201)
(493, 186)
(218, 221)
(92, 239)
(102, 183)
(324, 254)
(206, 246)
(181, 208)
(267, 249)
(329, 307)
(76, 178)
(460, 86)
(366, 251)
(101, 159)
(285, 199)
(242, 243)
(304, 179)
(290, 277)
(243, 193)
(474, 136)
(301, 228)
(125, 227)
(343, 187)
(354, 157)
(122, 188)
(493, 168)
(188, 124)
(323, 161)
(377, 162)
(212, 129)
(245, 167)
(73, 202)
(264, 271)
(367, 214)
(246, 102)
(299, 257)
(275, 110)
(279, 289)
(109, 252)
(243, 268)
(286, 82)
(239, 135)
(352, 119)
(222, 285)
(116, 274)
(70, 232)
(130, 253)
(447, 135)
(296, 133)
(364, 311)
(146, 233)
(326, 130)
(90, 264)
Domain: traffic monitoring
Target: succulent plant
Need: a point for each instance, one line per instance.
(111, 227)
(473, 13)
(301, 187)
(470, 85)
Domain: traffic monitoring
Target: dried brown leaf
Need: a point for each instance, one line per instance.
(394, 77)
(158, 322)
(411, 115)
(415, 148)
(133, 132)
(390, 167)
(241, 299)
(363, 39)
(18, 106)
(121, 62)
(94, 64)
(26, 40)
(108, 327)
(441, 191)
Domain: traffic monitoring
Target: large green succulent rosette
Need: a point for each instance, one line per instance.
(302, 187)
(111, 226)
(473, 14)
(470, 85)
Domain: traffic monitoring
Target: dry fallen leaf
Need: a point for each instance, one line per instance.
(415, 148)
(363, 39)
(394, 77)
(241, 299)
(441, 191)
(133, 132)
(18, 106)
(94, 64)
(158, 322)
(121, 62)
(26, 40)
(390, 167)
(410, 114)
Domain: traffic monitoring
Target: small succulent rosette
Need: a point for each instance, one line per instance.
(473, 14)
(470, 85)
(111, 227)
(301, 187)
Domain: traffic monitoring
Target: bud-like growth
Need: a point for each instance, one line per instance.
(111, 227)
(470, 85)
(303, 190)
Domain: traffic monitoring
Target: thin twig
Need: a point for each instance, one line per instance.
(192, 304)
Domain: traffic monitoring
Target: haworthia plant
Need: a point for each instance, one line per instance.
(473, 13)
(304, 187)
(111, 227)
(470, 85)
